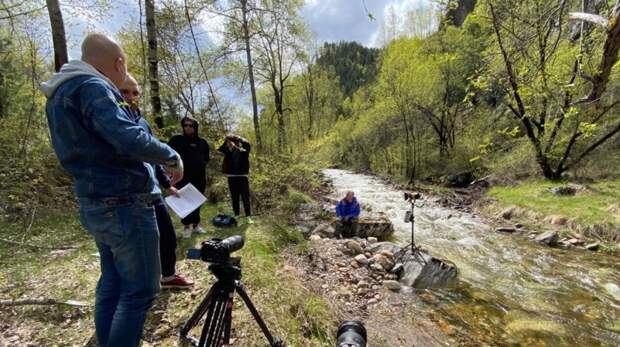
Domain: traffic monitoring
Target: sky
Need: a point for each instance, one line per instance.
(329, 20)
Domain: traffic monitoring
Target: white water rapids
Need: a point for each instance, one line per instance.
(509, 288)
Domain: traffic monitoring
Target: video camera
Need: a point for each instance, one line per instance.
(216, 250)
(412, 196)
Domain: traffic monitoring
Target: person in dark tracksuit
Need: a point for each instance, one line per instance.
(194, 151)
(130, 91)
(236, 167)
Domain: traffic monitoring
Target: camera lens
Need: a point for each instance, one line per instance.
(233, 243)
(351, 333)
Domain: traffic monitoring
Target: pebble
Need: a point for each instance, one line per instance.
(372, 301)
(372, 240)
(360, 258)
(315, 237)
(354, 246)
(392, 285)
(377, 267)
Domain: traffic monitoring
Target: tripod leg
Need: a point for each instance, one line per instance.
(208, 322)
(197, 315)
(256, 315)
(222, 331)
(228, 320)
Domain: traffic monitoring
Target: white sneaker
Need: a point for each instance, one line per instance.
(199, 230)
(187, 233)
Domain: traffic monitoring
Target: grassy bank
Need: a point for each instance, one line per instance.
(299, 317)
(593, 210)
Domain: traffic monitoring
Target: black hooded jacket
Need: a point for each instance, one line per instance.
(194, 150)
(236, 161)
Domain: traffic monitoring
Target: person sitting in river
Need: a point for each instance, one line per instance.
(347, 211)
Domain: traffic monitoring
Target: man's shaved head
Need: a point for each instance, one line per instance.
(105, 55)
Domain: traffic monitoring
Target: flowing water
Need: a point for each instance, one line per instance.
(511, 291)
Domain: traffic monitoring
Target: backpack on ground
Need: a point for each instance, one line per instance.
(222, 220)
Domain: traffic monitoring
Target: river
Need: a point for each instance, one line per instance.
(511, 291)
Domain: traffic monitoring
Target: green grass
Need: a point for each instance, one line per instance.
(598, 205)
(293, 313)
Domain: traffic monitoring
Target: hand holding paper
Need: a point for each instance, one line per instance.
(188, 199)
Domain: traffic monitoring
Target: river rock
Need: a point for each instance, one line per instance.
(505, 230)
(354, 246)
(549, 238)
(508, 212)
(379, 227)
(575, 241)
(372, 301)
(384, 261)
(372, 240)
(377, 267)
(593, 246)
(421, 271)
(315, 237)
(360, 258)
(392, 285)
(563, 191)
(325, 230)
(558, 220)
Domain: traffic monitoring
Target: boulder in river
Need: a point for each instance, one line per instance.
(419, 270)
(378, 227)
(549, 238)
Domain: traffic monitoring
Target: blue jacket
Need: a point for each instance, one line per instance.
(96, 138)
(160, 172)
(348, 209)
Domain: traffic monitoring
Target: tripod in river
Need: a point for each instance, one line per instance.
(217, 308)
(410, 218)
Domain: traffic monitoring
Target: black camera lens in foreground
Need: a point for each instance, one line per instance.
(351, 333)
(233, 243)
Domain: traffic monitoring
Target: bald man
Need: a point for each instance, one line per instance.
(130, 90)
(109, 154)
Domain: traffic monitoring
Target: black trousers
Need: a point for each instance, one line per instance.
(201, 185)
(240, 188)
(167, 239)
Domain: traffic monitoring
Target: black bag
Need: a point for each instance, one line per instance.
(222, 220)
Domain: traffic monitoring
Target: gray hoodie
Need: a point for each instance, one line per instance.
(68, 71)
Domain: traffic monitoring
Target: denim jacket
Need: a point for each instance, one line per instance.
(96, 138)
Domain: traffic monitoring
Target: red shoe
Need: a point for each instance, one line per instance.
(177, 281)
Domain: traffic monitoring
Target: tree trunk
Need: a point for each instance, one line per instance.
(151, 34)
(281, 126)
(58, 34)
(248, 54)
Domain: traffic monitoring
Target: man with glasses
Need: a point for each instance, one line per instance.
(194, 151)
(130, 90)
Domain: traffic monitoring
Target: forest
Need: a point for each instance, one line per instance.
(519, 94)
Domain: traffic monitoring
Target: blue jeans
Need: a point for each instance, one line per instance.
(128, 241)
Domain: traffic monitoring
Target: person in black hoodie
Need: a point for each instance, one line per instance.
(236, 166)
(194, 151)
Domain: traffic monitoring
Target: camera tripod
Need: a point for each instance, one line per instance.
(217, 308)
(410, 217)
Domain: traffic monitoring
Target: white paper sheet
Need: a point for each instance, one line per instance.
(188, 200)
